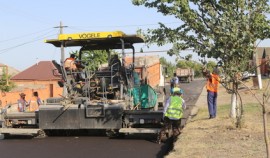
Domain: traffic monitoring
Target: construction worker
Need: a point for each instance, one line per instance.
(212, 84)
(70, 64)
(176, 79)
(34, 105)
(22, 103)
(74, 68)
(173, 112)
(115, 62)
(174, 82)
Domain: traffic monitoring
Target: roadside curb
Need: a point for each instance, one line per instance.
(202, 101)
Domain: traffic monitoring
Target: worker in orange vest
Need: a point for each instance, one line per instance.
(70, 64)
(212, 91)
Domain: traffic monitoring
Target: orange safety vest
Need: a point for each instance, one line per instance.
(70, 63)
(212, 83)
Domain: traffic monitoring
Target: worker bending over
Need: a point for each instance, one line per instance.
(173, 112)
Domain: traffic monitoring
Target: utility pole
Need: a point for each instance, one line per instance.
(62, 43)
(62, 54)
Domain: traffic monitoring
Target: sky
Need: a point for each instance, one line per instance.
(26, 24)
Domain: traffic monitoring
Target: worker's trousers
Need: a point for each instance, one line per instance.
(212, 103)
(170, 125)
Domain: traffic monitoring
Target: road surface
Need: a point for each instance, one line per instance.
(95, 146)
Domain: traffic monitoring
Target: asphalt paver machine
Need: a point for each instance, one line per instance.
(111, 98)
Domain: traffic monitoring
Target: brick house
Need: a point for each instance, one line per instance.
(264, 56)
(148, 67)
(41, 77)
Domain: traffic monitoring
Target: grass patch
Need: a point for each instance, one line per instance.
(250, 110)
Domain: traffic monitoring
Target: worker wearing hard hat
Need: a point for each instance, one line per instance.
(173, 112)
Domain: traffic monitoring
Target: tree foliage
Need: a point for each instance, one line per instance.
(5, 84)
(92, 59)
(220, 29)
(211, 65)
(188, 57)
(226, 30)
(196, 66)
(170, 67)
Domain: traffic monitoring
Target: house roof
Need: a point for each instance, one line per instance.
(42, 71)
(11, 71)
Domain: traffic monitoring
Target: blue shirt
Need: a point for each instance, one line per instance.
(176, 80)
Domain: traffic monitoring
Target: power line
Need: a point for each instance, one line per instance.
(22, 36)
(112, 26)
(60, 27)
(158, 51)
(13, 47)
(37, 38)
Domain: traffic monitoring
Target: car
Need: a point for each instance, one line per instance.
(246, 75)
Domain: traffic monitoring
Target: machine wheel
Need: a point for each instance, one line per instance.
(114, 134)
(121, 135)
(41, 134)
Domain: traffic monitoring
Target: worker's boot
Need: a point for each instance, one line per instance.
(161, 134)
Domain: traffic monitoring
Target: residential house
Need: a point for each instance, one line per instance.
(42, 77)
(148, 68)
(264, 57)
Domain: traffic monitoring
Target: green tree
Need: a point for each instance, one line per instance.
(5, 84)
(211, 65)
(197, 67)
(222, 29)
(188, 57)
(226, 30)
(181, 64)
(170, 67)
(92, 59)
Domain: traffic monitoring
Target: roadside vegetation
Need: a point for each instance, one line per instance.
(204, 138)
(92, 59)
(222, 29)
(184, 63)
(5, 84)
